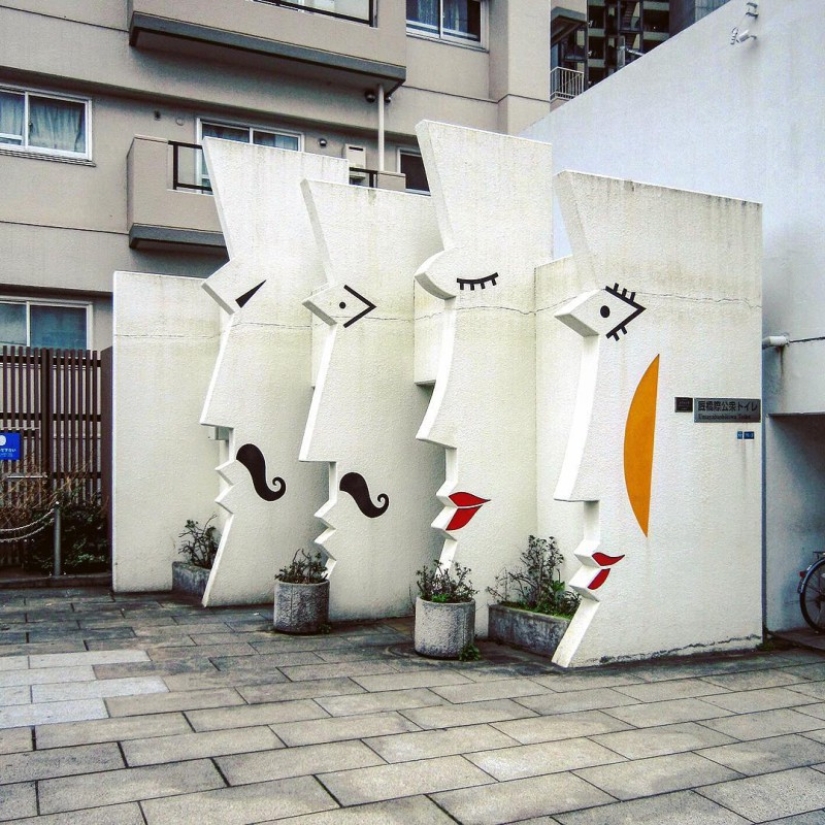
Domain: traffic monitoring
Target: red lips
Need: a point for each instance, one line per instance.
(468, 505)
(605, 562)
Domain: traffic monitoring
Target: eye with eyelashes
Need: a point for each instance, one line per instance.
(474, 282)
(369, 306)
(630, 300)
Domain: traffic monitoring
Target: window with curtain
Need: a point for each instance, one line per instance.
(44, 123)
(246, 134)
(34, 324)
(455, 20)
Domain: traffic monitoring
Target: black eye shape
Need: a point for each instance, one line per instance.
(474, 282)
(630, 300)
(247, 295)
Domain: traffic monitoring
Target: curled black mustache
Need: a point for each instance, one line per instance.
(253, 459)
(356, 485)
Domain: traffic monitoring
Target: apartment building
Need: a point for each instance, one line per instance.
(103, 106)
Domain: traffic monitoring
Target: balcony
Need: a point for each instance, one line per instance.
(565, 84)
(346, 41)
(169, 203)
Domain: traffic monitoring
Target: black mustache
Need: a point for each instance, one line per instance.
(356, 485)
(253, 459)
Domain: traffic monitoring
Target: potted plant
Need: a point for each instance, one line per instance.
(445, 613)
(302, 595)
(533, 606)
(200, 546)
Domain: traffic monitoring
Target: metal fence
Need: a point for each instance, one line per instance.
(53, 400)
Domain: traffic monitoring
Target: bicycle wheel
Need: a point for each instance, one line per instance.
(812, 596)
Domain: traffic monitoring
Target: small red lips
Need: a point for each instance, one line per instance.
(606, 562)
(468, 505)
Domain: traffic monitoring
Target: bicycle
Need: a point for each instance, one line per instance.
(811, 589)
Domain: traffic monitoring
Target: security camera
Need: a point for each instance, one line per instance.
(370, 96)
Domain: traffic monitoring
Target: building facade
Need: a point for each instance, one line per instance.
(103, 106)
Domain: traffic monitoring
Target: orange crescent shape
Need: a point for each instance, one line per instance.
(639, 434)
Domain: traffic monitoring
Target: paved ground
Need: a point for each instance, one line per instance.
(130, 710)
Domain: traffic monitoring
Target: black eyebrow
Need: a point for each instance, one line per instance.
(247, 295)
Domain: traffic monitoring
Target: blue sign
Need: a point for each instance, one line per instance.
(9, 446)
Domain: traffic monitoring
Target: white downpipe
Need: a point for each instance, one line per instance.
(381, 106)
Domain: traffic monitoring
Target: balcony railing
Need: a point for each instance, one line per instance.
(565, 84)
(189, 172)
(357, 11)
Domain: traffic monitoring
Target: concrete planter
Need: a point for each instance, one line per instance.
(535, 632)
(301, 608)
(443, 630)
(189, 579)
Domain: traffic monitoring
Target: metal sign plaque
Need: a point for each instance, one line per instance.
(727, 410)
(9, 446)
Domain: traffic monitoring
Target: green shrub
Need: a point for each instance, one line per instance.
(306, 569)
(200, 545)
(537, 585)
(435, 584)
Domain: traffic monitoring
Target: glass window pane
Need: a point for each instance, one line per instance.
(271, 139)
(13, 324)
(57, 124)
(58, 327)
(413, 167)
(462, 18)
(11, 118)
(422, 15)
(225, 132)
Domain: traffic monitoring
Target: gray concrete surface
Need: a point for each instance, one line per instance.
(149, 710)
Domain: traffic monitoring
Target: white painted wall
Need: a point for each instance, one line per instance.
(743, 121)
(166, 334)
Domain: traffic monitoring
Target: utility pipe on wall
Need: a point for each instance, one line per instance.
(381, 106)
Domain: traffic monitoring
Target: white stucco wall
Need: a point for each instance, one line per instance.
(743, 121)
(166, 334)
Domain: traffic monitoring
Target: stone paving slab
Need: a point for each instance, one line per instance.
(412, 810)
(565, 726)
(166, 702)
(768, 755)
(127, 785)
(766, 723)
(13, 663)
(520, 799)
(676, 689)
(773, 796)
(128, 814)
(668, 712)
(681, 808)
(548, 757)
(17, 801)
(184, 746)
(751, 680)
(99, 689)
(87, 657)
(47, 675)
(15, 740)
(384, 782)
(257, 694)
(668, 739)
(20, 695)
(241, 805)
(425, 678)
(751, 701)
(362, 703)
(299, 712)
(49, 713)
(427, 744)
(471, 713)
(110, 730)
(25, 767)
(309, 759)
(659, 774)
(343, 727)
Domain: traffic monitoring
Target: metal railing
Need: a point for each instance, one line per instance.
(332, 8)
(565, 84)
(186, 174)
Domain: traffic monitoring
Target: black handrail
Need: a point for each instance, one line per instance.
(177, 183)
(291, 4)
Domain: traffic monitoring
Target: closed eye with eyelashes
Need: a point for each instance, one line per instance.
(472, 283)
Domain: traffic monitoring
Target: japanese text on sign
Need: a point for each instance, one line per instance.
(732, 410)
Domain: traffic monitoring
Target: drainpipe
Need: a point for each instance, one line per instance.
(381, 106)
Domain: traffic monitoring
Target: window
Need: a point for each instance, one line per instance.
(44, 123)
(34, 324)
(411, 164)
(247, 134)
(456, 20)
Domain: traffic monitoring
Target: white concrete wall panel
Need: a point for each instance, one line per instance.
(746, 121)
(671, 513)
(166, 335)
(493, 200)
(366, 408)
(260, 387)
